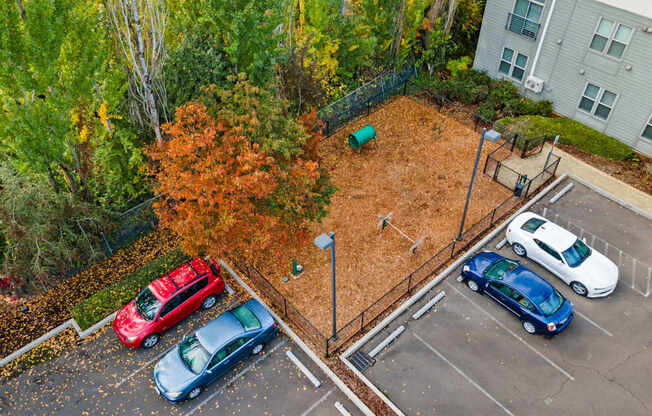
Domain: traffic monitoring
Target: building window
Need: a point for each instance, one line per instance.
(525, 18)
(597, 101)
(512, 64)
(529, 9)
(611, 38)
(647, 131)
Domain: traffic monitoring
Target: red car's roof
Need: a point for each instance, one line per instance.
(165, 286)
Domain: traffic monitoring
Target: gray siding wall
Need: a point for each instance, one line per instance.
(567, 64)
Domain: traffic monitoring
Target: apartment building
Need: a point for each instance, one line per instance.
(591, 58)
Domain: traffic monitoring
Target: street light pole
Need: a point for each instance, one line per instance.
(468, 195)
(333, 296)
(325, 241)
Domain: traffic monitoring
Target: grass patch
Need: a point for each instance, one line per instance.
(111, 298)
(570, 132)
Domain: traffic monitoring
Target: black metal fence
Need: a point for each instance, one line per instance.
(333, 119)
(510, 178)
(364, 99)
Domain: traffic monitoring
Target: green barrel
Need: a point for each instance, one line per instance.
(361, 136)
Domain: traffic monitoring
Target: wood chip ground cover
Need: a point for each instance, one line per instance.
(419, 169)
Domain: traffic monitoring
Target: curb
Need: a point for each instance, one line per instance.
(336, 380)
(440, 277)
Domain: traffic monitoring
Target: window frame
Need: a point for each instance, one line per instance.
(513, 65)
(645, 125)
(610, 39)
(162, 315)
(597, 101)
(541, 3)
(549, 250)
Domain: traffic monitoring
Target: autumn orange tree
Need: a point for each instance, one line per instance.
(238, 174)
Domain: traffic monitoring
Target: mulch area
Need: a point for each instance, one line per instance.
(635, 173)
(51, 309)
(419, 169)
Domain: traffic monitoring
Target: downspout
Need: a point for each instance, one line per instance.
(543, 38)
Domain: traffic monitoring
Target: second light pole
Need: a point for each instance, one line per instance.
(325, 241)
(492, 136)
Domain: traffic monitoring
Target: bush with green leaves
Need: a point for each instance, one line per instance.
(570, 132)
(112, 298)
(493, 97)
(46, 233)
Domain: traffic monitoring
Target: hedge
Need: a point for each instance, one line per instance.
(48, 310)
(112, 298)
(570, 132)
(494, 98)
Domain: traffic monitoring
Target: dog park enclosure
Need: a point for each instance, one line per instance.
(419, 169)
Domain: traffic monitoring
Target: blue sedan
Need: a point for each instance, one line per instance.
(213, 350)
(539, 306)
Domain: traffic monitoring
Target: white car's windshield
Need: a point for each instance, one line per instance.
(193, 354)
(552, 304)
(576, 253)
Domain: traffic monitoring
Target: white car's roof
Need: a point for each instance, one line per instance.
(550, 233)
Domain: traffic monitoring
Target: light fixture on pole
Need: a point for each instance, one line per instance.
(492, 136)
(325, 241)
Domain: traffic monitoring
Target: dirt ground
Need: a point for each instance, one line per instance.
(418, 169)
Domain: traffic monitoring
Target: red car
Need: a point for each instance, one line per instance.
(166, 301)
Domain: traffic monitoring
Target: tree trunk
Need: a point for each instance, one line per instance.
(436, 9)
(147, 84)
(452, 8)
(398, 32)
(21, 9)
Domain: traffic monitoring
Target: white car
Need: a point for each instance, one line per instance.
(588, 272)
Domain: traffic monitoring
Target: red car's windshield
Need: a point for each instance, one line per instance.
(147, 304)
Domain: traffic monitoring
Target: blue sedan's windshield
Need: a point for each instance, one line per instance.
(576, 253)
(193, 354)
(552, 304)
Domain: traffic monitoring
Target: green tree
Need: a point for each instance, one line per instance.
(57, 74)
(197, 61)
(47, 233)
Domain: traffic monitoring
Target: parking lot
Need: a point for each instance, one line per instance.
(468, 355)
(102, 377)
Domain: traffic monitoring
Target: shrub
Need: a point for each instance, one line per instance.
(571, 132)
(457, 65)
(486, 112)
(109, 299)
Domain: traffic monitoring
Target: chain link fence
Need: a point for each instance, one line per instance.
(364, 99)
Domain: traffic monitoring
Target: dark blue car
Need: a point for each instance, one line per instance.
(212, 350)
(539, 306)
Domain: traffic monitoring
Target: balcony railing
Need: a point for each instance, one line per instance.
(522, 26)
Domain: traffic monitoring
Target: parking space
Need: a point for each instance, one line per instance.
(103, 377)
(468, 355)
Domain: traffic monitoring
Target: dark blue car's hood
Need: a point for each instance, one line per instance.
(479, 263)
(171, 373)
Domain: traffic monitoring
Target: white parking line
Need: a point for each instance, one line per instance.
(593, 323)
(318, 402)
(460, 372)
(144, 366)
(549, 361)
(314, 380)
(240, 374)
(339, 406)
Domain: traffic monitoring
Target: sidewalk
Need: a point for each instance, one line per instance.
(574, 166)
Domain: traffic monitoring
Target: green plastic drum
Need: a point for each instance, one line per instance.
(362, 136)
